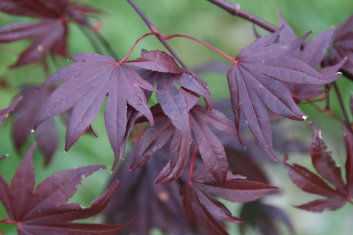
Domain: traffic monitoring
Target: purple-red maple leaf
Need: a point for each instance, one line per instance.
(328, 183)
(342, 43)
(24, 118)
(43, 209)
(4, 113)
(211, 149)
(203, 209)
(86, 84)
(140, 197)
(50, 33)
(313, 53)
(256, 84)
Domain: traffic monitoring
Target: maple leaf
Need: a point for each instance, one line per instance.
(263, 218)
(43, 210)
(342, 43)
(256, 83)
(313, 53)
(88, 81)
(203, 209)
(164, 201)
(329, 183)
(50, 33)
(4, 113)
(24, 118)
(173, 100)
(211, 149)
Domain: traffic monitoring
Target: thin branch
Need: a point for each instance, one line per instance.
(158, 35)
(133, 46)
(340, 100)
(235, 9)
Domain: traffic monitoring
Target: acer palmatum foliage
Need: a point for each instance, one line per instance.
(338, 192)
(43, 209)
(50, 33)
(185, 153)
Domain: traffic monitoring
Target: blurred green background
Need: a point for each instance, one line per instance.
(198, 18)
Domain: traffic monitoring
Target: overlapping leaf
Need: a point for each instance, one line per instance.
(342, 43)
(202, 207)
(256, 83)
(329, 183)
(312, 53)
(211, 149)
(88, 81)
(156, 206)
(49, 34)
(43, 210)
(24, 118)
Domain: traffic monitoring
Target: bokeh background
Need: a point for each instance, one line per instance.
(198, 18)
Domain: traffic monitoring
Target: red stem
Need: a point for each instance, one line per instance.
(174, 36)
(153, 29)
(201, 42)
(133, 46)
(8, 221)
(191, 170)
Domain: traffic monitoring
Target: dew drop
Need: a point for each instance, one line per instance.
(40, 48)
(305, 117)
(32, 131)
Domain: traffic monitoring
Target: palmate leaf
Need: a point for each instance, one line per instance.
(256, 83)
(211, 149)
(337, 193)
(43, 210)
(342, 43)
(24, 118)
(202, 207)
(313, 53)
(49, 34)
(86, 84)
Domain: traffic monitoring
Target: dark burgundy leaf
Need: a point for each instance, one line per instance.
(4, 113)
(263, 219)
(24, 119)
(312, 53)
(211, 149)
(336, 196)
(43, 210)
(179, 151)
(324, 204)
(173, 103)
(87, 82)
(323, 162)
(348, 140)
(308, 181)
(203, 209)
(342, 43)
(255, 82)
(50, 33)
(163, 200)
(158, 61)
